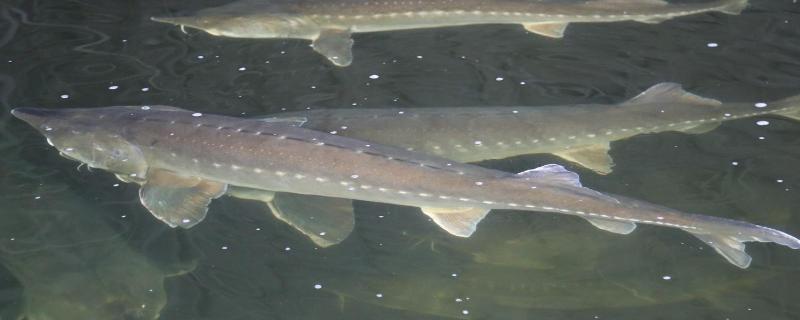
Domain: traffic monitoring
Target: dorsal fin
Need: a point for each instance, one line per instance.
(668, 92)
(553, 173)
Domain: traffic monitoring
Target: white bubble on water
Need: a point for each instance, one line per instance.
(712, 45)
(317, 286)
(760, 105)
(762, 122)
(374, 76)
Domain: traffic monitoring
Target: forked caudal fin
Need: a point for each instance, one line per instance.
(732, 247)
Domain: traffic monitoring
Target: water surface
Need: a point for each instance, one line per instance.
(243, 264)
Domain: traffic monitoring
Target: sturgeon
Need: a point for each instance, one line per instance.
(470, 134)
(329, 24)
(183, 160)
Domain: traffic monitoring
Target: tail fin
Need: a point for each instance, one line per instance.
(732, 247)
(735, 7)
(790, 106)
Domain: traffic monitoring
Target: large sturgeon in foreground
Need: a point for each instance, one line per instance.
(330, 23)
(185, 159)
(578, 133)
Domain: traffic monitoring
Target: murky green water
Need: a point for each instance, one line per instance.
(76, 244)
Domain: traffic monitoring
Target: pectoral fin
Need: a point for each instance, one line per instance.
(178, 201)
(326, 221)
(460, 222)
(336, 45)
(621, 227)
(550, 29)
(594, 157)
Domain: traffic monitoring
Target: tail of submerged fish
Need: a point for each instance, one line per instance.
(788, 107)
(728, 238)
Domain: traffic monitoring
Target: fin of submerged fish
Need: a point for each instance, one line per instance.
(178, 201)
(735, 7)
(557, 174)
(336, 45)
(290, 121)
(594, 157)
(460, 222)
(620, 227)
(728, 247)
(667, 92)
(326, 221)
(550, 29)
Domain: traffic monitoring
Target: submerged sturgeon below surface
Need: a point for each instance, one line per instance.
(185, 159)
(330, 23)
(469, 134)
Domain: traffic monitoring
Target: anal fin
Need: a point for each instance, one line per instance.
(728, 247)
(547, 29)
(326, 221)
(620, 227)
(594, 157)
(460, 222)
(176, 200)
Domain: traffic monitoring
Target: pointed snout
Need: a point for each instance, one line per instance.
(34, 116)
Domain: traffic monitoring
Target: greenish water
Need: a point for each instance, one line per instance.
(76, 244)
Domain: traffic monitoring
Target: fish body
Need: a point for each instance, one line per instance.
(329, 24)
(470, 134)
(185, 159)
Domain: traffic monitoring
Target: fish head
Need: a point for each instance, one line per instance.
(257, 25)
(91, 136)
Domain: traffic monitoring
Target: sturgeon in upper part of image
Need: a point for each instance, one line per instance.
(183, 160)
(329, 24)
(579, 133)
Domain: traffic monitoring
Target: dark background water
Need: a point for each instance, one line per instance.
(81, 237)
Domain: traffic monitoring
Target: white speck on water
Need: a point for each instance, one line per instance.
(478, 142)
(258, 229)
(197, 114)
(735, 163)
(322, 233)
(419, 57)
(287, 249)
(242, 68)
(380, 217)
(454, 275)
(667, 277)
(374, 76)
(64, 96)
(37, 197)
(123, 216)
(317, 286)
(186, 220)
(760, 105)
(401, 112)
(779, 181)
(334, 132)
(145, 89)
(465, 312)
(762, 138)
(522, 83)
(712, 45)
(115, 185)
(727, 114)
(224, 248)
(201, 57)
(762, 122)
(113, 87)
(379, 295)
(145, 107)
(498, 79)
(355, 176)
(459, 300)
(343, 127)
